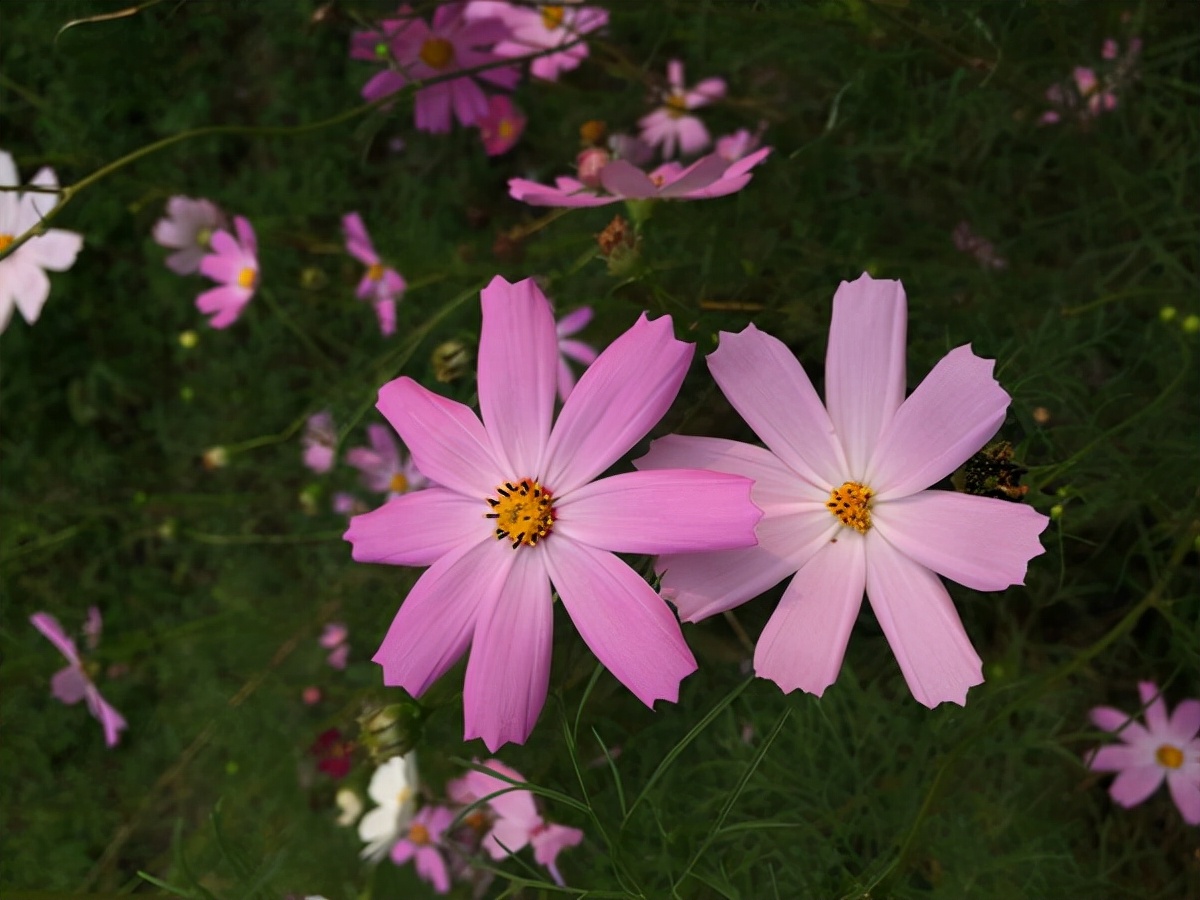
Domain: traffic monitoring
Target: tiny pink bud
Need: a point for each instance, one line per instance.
(591, 163)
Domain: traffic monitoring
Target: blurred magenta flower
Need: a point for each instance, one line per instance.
(394, 788)
(385, 470)
(514, 505)
(1166, 747)
(421, 844)
(187, 228)
(234, 265)
(708, 177)
(72, 684)
(502, 127)
(845, 504)
(23, 282)
(380, 284)
(670, 127)
(421, 51)
(568, 348)
(967, 241)
(334, 753)
(334, 639)
(536, 29)
(319, 442)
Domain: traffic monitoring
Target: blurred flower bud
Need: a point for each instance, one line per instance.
(1191, 324)
(188, 339)
(215, 458)
(393, 730)
(308, 498)
(592, 132)
(312, 278)
(1167, 313)
(450, 361)
(619, 246)
(590, 163)
(350, 806)
(187, 394)
(1056, 511)
(311, 695)
(1041, 415)
(507, 248)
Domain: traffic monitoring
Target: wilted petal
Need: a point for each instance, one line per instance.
(419, 528)
(1135, 784)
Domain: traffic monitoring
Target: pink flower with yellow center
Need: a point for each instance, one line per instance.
(535, 29)
(187, 228)
(380, 285)
(1165, 748)
(502, 127)
(72, 684)
(515, 506)
(670, 126)
(421, 843)
(234, 264)
(846, 506)
(384, 468)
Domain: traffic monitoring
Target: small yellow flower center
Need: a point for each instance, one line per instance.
(1169, 757)
(476, 820)
(403, 795)
(418, 834)
(398, 484)
(204, 237)
(505, 129)
(524, 512)
(5, 241)
(552, 17)
(592, 131)
(676, 106)
(851, 503)
(375, 272)
(246, 277)
(437, 53)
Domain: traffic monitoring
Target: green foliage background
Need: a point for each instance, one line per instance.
(891, 122)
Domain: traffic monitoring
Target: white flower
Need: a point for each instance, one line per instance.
(350, 807)
(394, 788)
(23, 283)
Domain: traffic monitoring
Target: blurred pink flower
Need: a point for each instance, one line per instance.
(845, 500)
(335, 639)
(1089, 93)
(421, 844)
(1166, 747)
(384, 468)
(381, 285)
(543, 518)
(188, 228)
(72, 684)
(234, 265)
(632, 149)
(347, 504)
(584, 354)
(966, 240)
(23, 282)
(502, 127)
(311, 695)
(422, 51)
(319, 442)
(93, 628)
(670, 124)
(535, 29)
(708, 177)
(742, 142)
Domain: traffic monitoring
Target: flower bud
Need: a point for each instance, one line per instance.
(590, 163)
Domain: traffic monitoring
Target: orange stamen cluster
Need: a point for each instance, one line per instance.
(676, 106)
(398, 484)
(418, 834)
(552, 17)
(851, 503)
(5, 241)
(524, 512)
(246, 277)
(1169, 757)
(375, 271)
(437, 53)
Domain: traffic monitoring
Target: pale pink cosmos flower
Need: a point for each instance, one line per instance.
(335, 639)
(234, 264)
(514, 506)
(72, 684)
(187, 228)
(1166, 747)
(380, 285)
(319, 442)
(708, 177)
(421, 51)
(670, 127)
(502, 127)
(516, 821)
(384, 468)
(845, 500)
(421, 844)
(23, 282)
(966, 240)
(534, 29)
(569, 348)
(741, 143)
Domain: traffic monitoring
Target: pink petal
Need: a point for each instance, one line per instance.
(186, 261)
(509, 668)
(693, 136)
(432, 108)
(447, 442)
(53, 632)
(1134, 785)
(224, 244)
(382, 84)
(950, 415)
(574, 321)
(1185, 791)
(515, 806)
(1157, 722)
(1117, 758)
(552, 840)
(981, 542)
(540, 195)
(661, 511)
(619, 398)
(1185, 721)
(921, 626)
(434, 625)
(432, 868)
(804, 641)
(31, 286)
(577, 350)
(69, 685)
(771, 391)
(402, 851)
(518, 369)
(470, 102)
(55, 250)
(566, 380)
(626, 624)
(358, 242)
(385, 312)
(506, 837)
(706, 92)
(110, 720)
(864, 366)
(246, 236)
(224, 303)
(419, 528)
(1117, 721)
(223, 269)
(623, 179)
(700, 174)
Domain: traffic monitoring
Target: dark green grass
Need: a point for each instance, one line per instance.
(892, 122)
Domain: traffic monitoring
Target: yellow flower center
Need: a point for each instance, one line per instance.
(437, 53)
(524, 512)
(1169, 757)
(246, 277)
(375, 272)
(5, 241)
(552, 17)
(403, 795)
(592, 131)
(476, 820)
(505, 129)
(851, 503)
(676, 106)
(418, 834)
(398, 484)
(204, 237)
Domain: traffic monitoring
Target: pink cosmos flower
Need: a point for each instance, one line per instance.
(966, 240)
(734, 146)
(517, 822)
(515, 505)
(23, 281)
(1164, 748)
(568, 348)
(420, 844)
(502, 127)
(670, 124)
(234, 264)
(380, 284)
(319, 442)
(72, 684)
(335, 639)
(535, 29)
(384, 468)
(709, 176)
(187, 228)
(421, 51)
(347, 504)
(843, 492)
